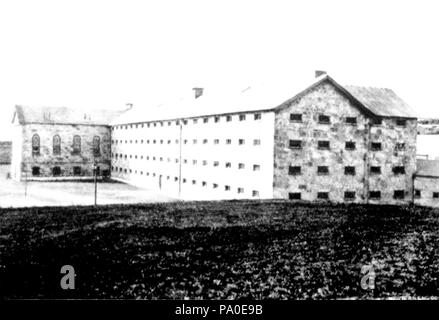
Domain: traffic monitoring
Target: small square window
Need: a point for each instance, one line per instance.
(216, 163)
(206, 120)
(435, 195)
(324, 119)
(194, 182)
(349, 171)
(417, 193)
(204, 141)
(376, 146)
(204, 183)
(256, 167)
(216, 141)
(349, 195)
(255, 193)
(398, 194)
(240, 190)
(241, 141)
(323, 145)
(398, 170)
(351, 120)
(241, 117)
(322, 170)
(296, 144)
(35, 171)
(400, 146)
(401, 122)
(294, 196)
(227, 188)
(77, 171)
(217, 119)
(228, 118)
(256, 142)
(323, 195)
(228, 165)
(349, 145)
(257, 116)
(296, 117)
(229, 141)
(241, 166)
(375, 170)
(294, 170)
(215, 185)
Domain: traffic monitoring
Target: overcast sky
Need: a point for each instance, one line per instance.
(104, 54)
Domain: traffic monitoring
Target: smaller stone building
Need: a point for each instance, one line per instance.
(57, 143)
(427, 183)
(5, 152)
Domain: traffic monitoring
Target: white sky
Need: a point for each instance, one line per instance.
(103, 54)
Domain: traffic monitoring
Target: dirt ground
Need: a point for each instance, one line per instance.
(20, 194)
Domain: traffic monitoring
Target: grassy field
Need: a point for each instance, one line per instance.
(227, 250)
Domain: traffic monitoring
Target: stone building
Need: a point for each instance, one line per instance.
(5, 152)
(60, 143)
(427, 183)
(321, 142)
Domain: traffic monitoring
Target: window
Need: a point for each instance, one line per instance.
(217, 119)
(435, 195)
(240, 190)
(257, 116)
(76, 145)
(194, 161)
(349, 195)
(204, 162)
(401, 122)
(294, 196)
(417, 193)
(206, 120)
(256, 142)
(255, 193)
(398, 170)
(216, 163)
(229, 141)
(229, 118)
(241, 117)
(375, 170)
(241, 166)
(324, 119)
(322, 170)
(400, 146)
(349, 145)
(77, 171)
(204, 141)
(35, 171)
(241, 141)
(323, 145)
(377, 121)
(350, 171)
(194, 182)
(56, 145)
(296, 144)
(195, 121)
(398, 194)
(35, 145)
(215, 185)
(194, 141)
(375, 146)
(228, 165)
(294, 170)
(351, 120)
(216, 141)
(375, 194)
(296, 117)
(256, 167)
(227, 188)
(56, 171)
(204, 183)
(185, 141)
(184, 180)
(323, 195)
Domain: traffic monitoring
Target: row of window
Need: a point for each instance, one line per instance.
(56, 171)
(56, 145)
(349, 195)
(435, 194)
(240, 190)
(325, 119)
(256, 142)
(216, 119)
(349, 145)
(348, 170)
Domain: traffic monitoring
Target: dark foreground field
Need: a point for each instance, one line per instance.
(213, 250)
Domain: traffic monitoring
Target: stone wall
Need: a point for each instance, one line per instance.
(327, 100)
(427, 191)
(5, 152)
(66, 160)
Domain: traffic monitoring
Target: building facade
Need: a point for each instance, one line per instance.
(327, 142)
(427, 183)
(60, 143)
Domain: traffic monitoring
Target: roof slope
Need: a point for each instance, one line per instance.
(427, 168)
(381, 101)
(374, 101)
(64, 115)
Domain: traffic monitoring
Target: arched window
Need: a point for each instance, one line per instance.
(56, 145)
(96, 145)
(35, 144)
(76, 144)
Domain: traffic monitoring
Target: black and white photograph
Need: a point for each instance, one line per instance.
(219, 150)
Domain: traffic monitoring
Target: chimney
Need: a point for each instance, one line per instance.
(198, 92)
(319, 73)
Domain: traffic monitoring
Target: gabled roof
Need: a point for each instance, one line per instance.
(427, 168)
(270, 97)
(382, 101)
(63, 115)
